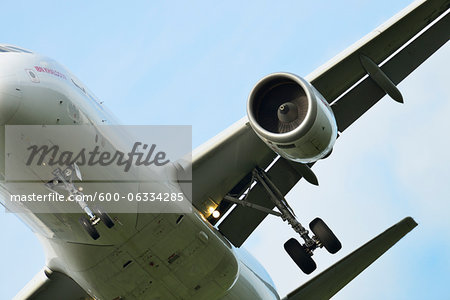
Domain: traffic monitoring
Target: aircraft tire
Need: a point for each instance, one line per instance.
(298, 254)
(90, 229)
(105, 218)
(325, 235)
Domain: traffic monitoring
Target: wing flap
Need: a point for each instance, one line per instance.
(363, 96)
(344, 70)
(333, 279)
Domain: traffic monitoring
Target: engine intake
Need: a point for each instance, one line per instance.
(292, 117)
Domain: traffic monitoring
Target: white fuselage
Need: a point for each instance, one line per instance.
(144, 256)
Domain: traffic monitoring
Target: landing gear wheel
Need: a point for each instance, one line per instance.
(325, 235)
(105, 218)
(300, 256)
(90, 229)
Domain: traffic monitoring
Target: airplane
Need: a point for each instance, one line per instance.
(365, 65)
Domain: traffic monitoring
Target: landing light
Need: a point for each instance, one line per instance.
(216, 214)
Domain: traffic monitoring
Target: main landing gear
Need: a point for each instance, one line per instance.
(64, 181)
(323, 237)
(300, 253)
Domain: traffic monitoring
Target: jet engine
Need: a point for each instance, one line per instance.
(292, 117)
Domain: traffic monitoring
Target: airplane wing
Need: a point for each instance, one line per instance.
(329, 282)
(223, 166)
(51, 285)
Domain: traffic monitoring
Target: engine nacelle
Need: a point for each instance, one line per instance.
(292, 117)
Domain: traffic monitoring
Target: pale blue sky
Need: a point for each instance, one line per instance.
(195, 63)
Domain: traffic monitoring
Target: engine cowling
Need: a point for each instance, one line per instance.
(292, 117)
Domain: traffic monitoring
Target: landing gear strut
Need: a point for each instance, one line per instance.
(300, 253)
(64, 180)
